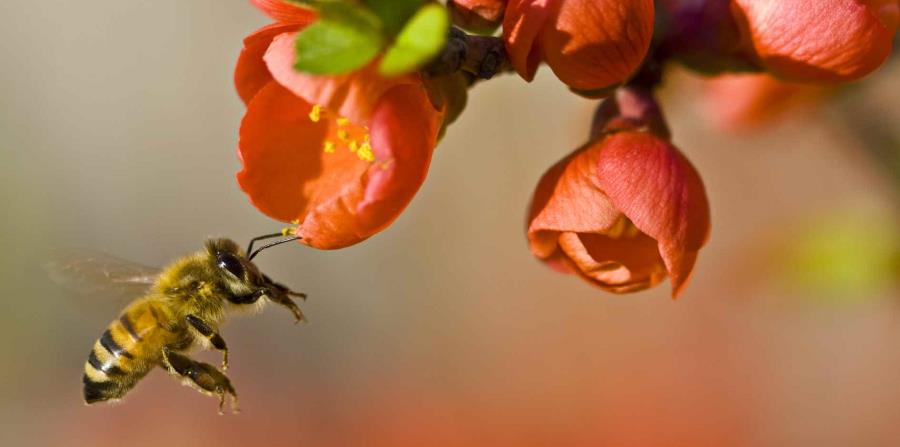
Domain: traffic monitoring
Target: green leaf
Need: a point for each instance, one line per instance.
(421, 39)
(345, 38)
(394, 13)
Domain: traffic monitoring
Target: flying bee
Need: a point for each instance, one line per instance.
(182, 307)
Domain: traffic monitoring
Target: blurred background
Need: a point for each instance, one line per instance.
(118, 131)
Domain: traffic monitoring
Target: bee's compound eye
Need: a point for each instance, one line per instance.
(228, 262)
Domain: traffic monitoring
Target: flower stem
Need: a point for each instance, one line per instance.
(481, 57)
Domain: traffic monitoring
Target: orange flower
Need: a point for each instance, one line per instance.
(591, 45)
(746, 101)
(626, 209)
(341, 156)
(822, 40)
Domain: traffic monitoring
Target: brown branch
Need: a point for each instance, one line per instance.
(481, 57)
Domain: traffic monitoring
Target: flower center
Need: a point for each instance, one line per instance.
(623, 228)
(344, 136)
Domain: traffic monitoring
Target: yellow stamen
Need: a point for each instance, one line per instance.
(623, 227)
(365, 153)
(616, 230)
(316, 114)
(346, 135)
(631, 230)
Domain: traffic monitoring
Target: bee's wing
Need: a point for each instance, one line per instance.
(92, 273)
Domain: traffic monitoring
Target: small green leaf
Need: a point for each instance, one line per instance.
(345, 38)
(421, 39)
(394, 13)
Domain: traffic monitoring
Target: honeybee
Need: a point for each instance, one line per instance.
(181, 307)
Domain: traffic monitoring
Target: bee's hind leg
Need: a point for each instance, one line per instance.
(202, 376)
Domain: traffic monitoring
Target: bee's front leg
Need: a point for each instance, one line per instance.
(283, 299)
(280, 294)
(214, 338)
(203, 376)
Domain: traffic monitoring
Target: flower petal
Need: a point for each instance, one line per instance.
(824, 40)
(280, 149)
(589, 44)
(338, 197)
(403, 134)
(522, 23)
(617, 265)
(659, 190)
(596, 44)
(351, 95)
(251, 73)
(568, 199)
(570, 218)
(284, 12)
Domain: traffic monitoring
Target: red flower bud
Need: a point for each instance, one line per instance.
(623, 211)
(821, 40)
(589, 44)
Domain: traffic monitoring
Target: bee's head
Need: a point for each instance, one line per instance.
(235, 272)
(241, 280)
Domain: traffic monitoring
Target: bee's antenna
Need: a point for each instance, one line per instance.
(259, 238)
(284, 232)
(272, 244)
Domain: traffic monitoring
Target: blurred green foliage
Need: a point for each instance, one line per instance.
(344, 38)
(845, 256)
(394, 13)
(422, 37)
(350, 34)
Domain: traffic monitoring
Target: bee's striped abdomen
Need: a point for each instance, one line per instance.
(113, 367)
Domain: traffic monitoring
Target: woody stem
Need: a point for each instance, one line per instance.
(481, 57)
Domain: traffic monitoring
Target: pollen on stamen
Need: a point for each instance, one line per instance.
(343, 135)
(315, 114)
(365, 153)
(353, 146)
(328, 147)
(343, 121)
